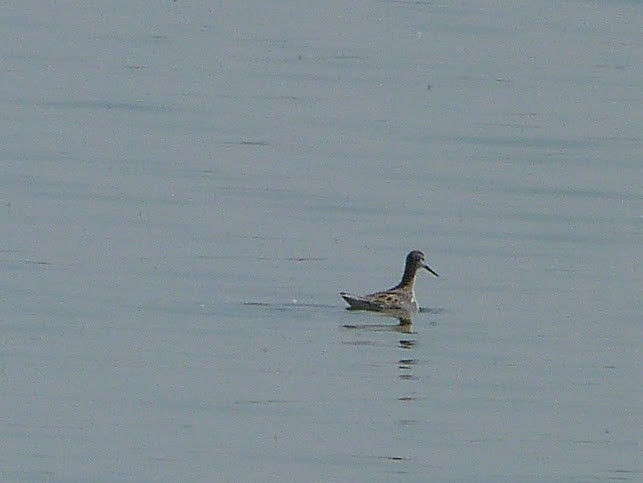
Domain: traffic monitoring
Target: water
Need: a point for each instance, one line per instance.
(186, 188)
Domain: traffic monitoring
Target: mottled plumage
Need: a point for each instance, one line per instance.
(400, 297)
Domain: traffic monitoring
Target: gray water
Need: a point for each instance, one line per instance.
(186, 187)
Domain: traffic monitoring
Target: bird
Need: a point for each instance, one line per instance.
(399, 298)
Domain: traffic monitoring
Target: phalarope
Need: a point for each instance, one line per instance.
(400, 297)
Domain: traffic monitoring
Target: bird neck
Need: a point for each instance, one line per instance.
(408, 279)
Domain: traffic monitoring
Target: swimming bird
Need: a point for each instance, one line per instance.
(400, 297)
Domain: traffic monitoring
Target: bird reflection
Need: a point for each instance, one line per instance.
(404, 317)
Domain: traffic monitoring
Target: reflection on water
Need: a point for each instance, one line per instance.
(431, 310)
(286, 306)
(387, 458)
(405, 328)
(406, 363)
(407, 344)
(405, 366)
(404, 317)
(401, 354)
(407, 372)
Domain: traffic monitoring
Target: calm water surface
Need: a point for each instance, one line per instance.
(186, 188)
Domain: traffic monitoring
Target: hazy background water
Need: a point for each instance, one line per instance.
(186, 186)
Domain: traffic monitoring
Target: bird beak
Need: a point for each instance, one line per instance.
(430, 270)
